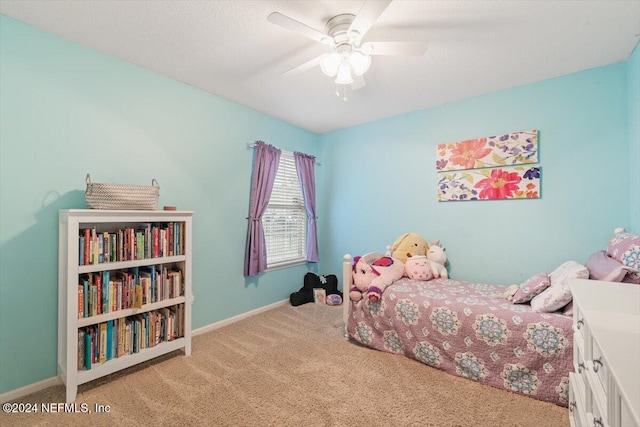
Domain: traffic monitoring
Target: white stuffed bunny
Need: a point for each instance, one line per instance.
(437, 258)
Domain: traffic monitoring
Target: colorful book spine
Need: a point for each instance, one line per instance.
(87, 246)
(80, 301)
(94, 299)
(113, 247)
(94, 246)
(132, 244)
(171, 229)
(95, 346)
(105, 291)
(81, 356)
(100, 248)
(105, 247)
(102, 357)
(109, 354)
(87, 350)
(87, 297)
(98, 279)
(120, 245)
(81, 251)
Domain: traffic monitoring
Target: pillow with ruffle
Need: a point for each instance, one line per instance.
(558, 294)
(602, 267)
(625, 247)
(531, 287)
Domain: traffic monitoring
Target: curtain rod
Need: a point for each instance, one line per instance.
(253, 145)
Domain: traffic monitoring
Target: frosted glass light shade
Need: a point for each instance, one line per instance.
(359, 62)
(344, 74)
(330, 63)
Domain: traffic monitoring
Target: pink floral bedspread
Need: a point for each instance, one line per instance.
(468, 330)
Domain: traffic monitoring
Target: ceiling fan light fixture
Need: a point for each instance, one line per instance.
(330, 63)
(359, 62)
(349, 59)
(344, 74)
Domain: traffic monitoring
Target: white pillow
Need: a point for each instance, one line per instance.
(558, 294)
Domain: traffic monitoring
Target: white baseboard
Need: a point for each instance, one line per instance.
(234, 319)
(53, 381)
(28, 389)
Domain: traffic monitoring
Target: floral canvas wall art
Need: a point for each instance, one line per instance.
(501, 150)
(509, 182)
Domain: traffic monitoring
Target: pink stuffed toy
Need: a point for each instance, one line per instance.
(418, 268)
(372, 273)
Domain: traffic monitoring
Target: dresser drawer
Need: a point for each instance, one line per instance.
(577, 410)
(579, 384)
(579, 327)
(597, 376)
(597, 416)
(598, 365)
(578, 349)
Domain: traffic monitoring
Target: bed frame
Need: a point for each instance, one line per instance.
(347, 269)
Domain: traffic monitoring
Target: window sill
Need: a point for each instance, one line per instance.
(287, 264)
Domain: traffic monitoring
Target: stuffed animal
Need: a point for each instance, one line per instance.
(437, 258)
(408, 245)
(372, 274)
(418, 268)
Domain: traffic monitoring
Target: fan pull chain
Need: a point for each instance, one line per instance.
(344, 92)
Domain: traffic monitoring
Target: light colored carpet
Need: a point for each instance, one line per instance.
(290, 366)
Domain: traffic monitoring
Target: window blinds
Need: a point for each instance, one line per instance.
(285, 219)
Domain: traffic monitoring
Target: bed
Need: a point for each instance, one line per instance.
(468, 329)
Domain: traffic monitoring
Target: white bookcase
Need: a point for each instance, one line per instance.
(170, 300)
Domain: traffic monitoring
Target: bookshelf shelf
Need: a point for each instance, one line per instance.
(115, 365)
(127, 312)
(124, 290)
(128, 264)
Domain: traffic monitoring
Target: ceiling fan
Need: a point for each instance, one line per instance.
(349, 58)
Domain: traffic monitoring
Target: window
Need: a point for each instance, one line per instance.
(285, 219)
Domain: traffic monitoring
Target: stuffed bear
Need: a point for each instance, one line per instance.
(329, 283)
(418, 268)
(372, 273)
(408, 245)
(437, 258)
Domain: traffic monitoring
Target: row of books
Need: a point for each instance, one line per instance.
(128, 335)
(127, 244)
(108, 291)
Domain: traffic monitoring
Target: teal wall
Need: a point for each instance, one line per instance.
(66, 111)
(381, 179)
(634, 136)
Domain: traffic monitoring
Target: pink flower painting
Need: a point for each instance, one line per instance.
(510, 182)
(468, 153)
(516, 148)
(500, 185)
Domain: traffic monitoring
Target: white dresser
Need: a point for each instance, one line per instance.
(605, 387)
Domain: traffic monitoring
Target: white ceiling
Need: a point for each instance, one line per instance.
(229, 48)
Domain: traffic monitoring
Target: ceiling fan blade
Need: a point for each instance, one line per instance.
(305, 66)
(358, 83)
(367, 15)
(300, 28)
(395, 48)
